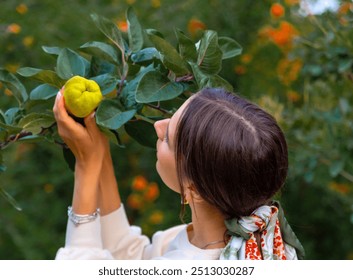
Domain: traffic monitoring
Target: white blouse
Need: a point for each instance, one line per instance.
(111, 237)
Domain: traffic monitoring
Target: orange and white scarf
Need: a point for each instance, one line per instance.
(277, 240)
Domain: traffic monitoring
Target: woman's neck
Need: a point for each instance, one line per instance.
(208, 228)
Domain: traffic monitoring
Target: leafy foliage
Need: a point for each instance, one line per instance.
(132, 74)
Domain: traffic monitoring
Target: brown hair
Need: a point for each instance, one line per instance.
(232, 151)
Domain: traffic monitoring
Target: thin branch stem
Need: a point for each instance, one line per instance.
(343, 173)
(143, 118)
(14, 138)
(158, 108)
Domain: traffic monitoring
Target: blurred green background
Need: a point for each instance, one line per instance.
(296, 65)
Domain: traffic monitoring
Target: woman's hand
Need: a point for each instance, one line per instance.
(87, 142)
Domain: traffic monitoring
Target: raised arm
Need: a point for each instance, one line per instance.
(108, 198)
(89, 146)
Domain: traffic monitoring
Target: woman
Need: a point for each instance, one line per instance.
(224, 155)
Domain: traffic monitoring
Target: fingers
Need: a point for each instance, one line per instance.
(91, 125)
(59, 107)
(66, 125)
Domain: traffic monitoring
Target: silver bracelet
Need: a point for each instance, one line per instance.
(81, 219)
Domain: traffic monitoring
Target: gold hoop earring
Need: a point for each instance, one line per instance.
(183, 201)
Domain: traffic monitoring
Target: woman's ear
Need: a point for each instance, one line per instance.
(192, 196)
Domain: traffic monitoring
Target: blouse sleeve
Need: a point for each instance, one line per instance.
(112, 237)
(122, 240)
(107, 237)
(83, 242)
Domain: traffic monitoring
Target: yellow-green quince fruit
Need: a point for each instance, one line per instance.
(82, 96)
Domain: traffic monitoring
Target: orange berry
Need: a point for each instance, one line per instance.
(21, 9)
(345, 8)
(282, 36)
(240, 69)
(293, 96)
(8, 92)
(246, 58)
(195, 26)
(134, 201)
(122, 25)
(48, 188)
(340, 187)
(139, 183)
(277, 10)
(14, 28)
(28, 41)
(156, 217)
(152, 192)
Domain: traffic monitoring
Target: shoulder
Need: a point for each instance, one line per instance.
(173, 244)
(161, 240)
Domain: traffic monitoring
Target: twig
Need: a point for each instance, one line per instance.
(343, 173)
(140, 117)
(14, 138)
(164, 111)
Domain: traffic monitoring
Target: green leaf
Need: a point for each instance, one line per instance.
(213, 81)
(69, 158)
(344, 105)
(2, 117)
(111, 114)
(13, 84)
(101, 50)
(186, 46)
(135, 32)
(127, 96)
(10, 199)
(10, 129)
(110, 30)
(7, 123)
(35, 122)
(313, 70)
(100, 66)
(154, 32)
(106, 82)
(70, 64)
(336, 167)
(345, 65)
(2, 166)
(218, 82)
(10, 115)
(43, 92)
(3, 135)
(46, 76)
(31, 139)
(169, 56)
(309, 176)
(209, 53)
(229, 47)
(146, 55)
(154, 86)
(112, 135)
(143, 132)
(52, 50)
(200, 77)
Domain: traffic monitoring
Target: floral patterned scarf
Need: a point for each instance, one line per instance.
(277, 239)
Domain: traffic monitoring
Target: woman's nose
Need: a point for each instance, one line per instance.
(160, 127)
